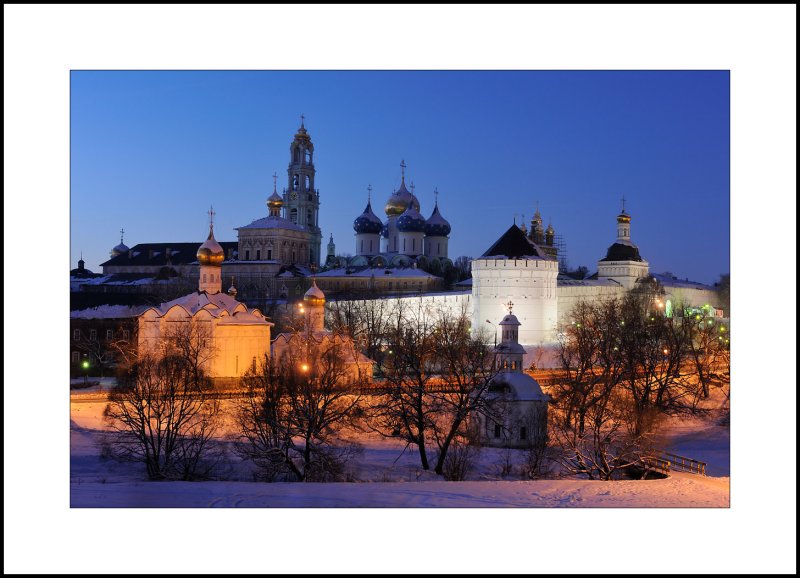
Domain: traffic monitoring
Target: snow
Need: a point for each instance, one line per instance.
(378, 272)
(389, 475)
(682, 490)
(108, 312)
(525, 387)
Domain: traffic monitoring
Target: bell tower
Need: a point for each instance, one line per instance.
(301, 199)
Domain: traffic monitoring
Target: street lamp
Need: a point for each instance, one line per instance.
(495, 332)
(85, 366)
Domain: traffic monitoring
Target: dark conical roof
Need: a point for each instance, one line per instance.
(514, 245)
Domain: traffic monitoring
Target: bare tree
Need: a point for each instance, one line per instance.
(366, 321)
(466, 368)
(295, 405)
(536, 455)
(406, 409)
(161, 412)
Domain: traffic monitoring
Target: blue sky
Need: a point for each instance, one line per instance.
(150, 151)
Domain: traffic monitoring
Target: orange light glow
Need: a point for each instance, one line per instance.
(304, 367)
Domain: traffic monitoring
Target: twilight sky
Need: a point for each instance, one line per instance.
(150, 151)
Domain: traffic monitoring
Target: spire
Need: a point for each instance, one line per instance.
(436, 197)
(302, 121)
(121, 236)
(369, 194)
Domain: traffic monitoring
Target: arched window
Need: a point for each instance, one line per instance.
(309, 217)
(295, 182)
(308, 157)
(293, 216)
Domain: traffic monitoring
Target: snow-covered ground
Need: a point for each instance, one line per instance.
(387, 474)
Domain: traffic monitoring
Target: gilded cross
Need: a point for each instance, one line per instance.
(412, 187)
(302, 120)
(275, 182)
(510, 306)
(211, 214)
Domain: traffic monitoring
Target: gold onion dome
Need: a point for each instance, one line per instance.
(623, 217)
(210, 252)
(314, 295)
(400, 200)
(275, 201)
(550, 230)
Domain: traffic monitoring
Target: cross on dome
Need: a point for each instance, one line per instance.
(275, 182)
(302, 121)
(403, 170)
(369, 193)
(211, 214)
(436, 196)
(121, 235)
(623, 203)
(510, 306)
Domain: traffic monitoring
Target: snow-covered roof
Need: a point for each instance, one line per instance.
(215, 304)
(524, 387)
(108, 312)
(567, 282)
(376, 272)
(273, 222)
(668, 280)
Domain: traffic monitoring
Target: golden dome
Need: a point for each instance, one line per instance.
(395, 206)
(623, 217)
(399, 200)
(314, 295)
(275, 201)
(211, 252)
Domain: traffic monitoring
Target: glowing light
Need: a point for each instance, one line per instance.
(304, 367)
(660, 304)
(85, 364)
(722, 328)
(666, 351)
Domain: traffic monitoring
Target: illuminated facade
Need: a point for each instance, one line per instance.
(234, 336)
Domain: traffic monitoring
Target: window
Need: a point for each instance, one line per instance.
(204, 277)
(269, 254)
(497, 430)
(93, 335)
(258, 254)
(523, 433)
(109, 335)
(76, 357)
(295, 182)
(76, 334)
(293, 216)
(247, 255)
